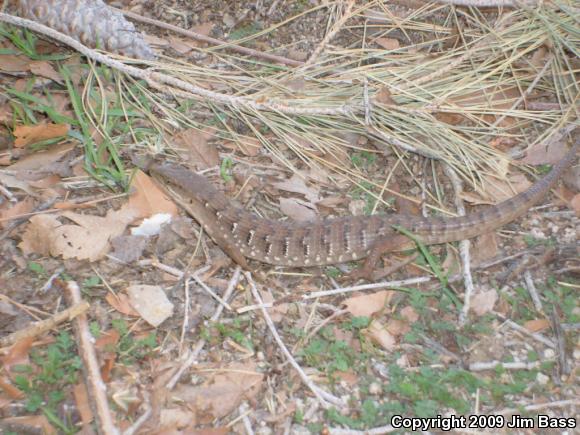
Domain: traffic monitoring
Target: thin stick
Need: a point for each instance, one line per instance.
(463, 246)
(531, 287)
(96, 387)
(521, 329)
(38, 328)
(331, 34)
(157, 80)
(487, 3)
(209, 39)
(375, 431)
(325, 398)
(356, 288)
(490, 365)
(201, 343)
(557, 404)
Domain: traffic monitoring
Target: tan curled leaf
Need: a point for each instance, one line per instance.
(296, 184)
(45, 69)
(29, 134)
(39, 234)
(537, 325)
(297, 210)
(379, 335)
(121, 303)
(81, 396)
(368, 304)
(18, 209)
(147, 198)
(224, 390)
(151, 302)
(192, 144)
(388, 43)
(12, 63)
(483, 302)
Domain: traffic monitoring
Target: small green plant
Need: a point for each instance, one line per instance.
(237, 332)
(226, 169)
(44, 383)
(130, 350)
(244, 31)
(37, 269)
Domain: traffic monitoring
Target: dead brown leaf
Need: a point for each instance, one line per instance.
(541, 154)
(397, 327)
(484, 248)
(388, 43)
(192, 145)
(10, 390)
(368, 304)
(121, 303)
(537, 325)
(148, 199)
(223, 391)
(45, 69)
(297, 209)
(17, 354)
(249, 146)
(43, 160)
(182, 46)
(278, 311)
(20, 208)
(151, 302)
(575, 204)
(379, 335)
(31, 424)
(14, 64)
(383, 96)
(296, 184)
(87, 240)
(409, 314)
(29, 134)
(498, 190)
(83, 406)
(483, 301)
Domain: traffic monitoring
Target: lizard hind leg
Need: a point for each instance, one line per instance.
(381, 245)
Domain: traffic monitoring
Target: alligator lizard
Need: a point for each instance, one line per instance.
(242, 234)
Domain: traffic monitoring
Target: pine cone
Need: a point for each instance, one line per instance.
(91, 22)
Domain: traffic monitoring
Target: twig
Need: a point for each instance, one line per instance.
(134, 428)
(244, 410)
(563, 364)
(375, 431)
(201, 343)
(490, 365)
(48, 284)
(20, 219)
(527, 92)
(326, 399)
(185, 323)
(210, 291)
(210, 40)
(95, 385)
(331, 34)
(557, 404)
(374, 286)
(488, 3)
(463, 246)
(531, 287)
(521, 329)
(158, 80)
(40, 327)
